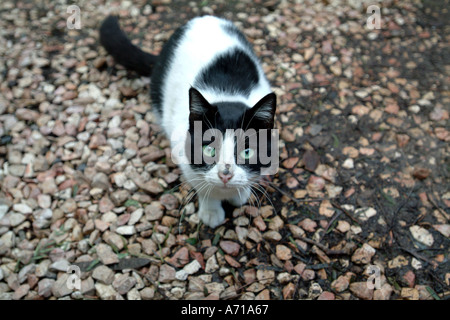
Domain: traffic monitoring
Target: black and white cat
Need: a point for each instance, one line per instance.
(206, 77)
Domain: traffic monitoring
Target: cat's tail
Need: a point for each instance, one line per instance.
(115, 41)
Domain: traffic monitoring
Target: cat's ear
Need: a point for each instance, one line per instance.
(264, 110)
(198, 106)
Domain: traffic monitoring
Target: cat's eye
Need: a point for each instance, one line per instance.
(247, 153)
(209, 151)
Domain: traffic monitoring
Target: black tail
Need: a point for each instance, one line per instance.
(114, 40)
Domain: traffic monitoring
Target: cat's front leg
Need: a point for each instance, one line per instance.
(210, 211)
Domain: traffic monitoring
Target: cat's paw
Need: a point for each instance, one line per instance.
(212, 217)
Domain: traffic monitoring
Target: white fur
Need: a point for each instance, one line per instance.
(203, 40)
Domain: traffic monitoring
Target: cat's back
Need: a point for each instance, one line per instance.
(190, 50)
(212, 34)
(203, 39)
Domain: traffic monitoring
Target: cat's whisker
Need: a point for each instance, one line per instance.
(258, 187)
(208, 123)
(205, 185)
(258, 201)
(239, 193)
(198, 190)
(189, 197)
(250, 200)
(206, 195)
(254, 199)
(192, 193)
(189, 185)
(185, 183)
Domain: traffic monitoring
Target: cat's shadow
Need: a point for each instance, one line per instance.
(229, 208)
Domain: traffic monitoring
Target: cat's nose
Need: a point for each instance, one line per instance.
(225, 175)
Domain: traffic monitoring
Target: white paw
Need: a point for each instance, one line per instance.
(212, 217)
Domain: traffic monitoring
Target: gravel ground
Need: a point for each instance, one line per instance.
(87, 182)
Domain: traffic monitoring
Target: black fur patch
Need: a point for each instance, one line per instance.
(232, 72)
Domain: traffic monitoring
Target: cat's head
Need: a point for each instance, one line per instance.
(230, 144)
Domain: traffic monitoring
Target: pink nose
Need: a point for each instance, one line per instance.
(225, 175)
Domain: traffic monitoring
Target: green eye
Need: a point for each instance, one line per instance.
(247, 153)
(209, 151)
